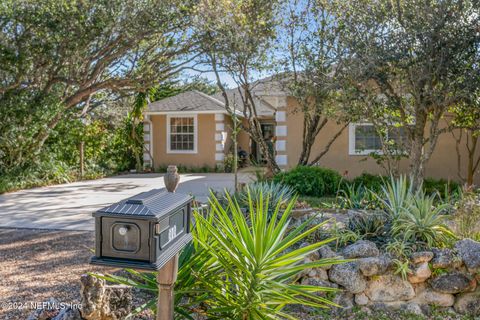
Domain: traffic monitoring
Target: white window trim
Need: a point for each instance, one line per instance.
(195, 133)
(351, 141)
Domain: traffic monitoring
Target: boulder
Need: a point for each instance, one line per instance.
(314, 256)
(361, 299)
(361, 249)
(326, 252)
(468, 303)
(432, 297)
(388, 288)
(412, 308)
(421, 273)
(445, 259)
(453, 282)
(421, 257)
(319, 283)
(102, 302)
(348, 276)
(374, 265)
(315, 273)
(344, 299)
(469, 251)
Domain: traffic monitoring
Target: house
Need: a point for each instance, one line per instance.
(193, 129)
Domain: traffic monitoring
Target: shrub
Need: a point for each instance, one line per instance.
(444, 188)
(311, 181)
(372, 182)
(467, 217)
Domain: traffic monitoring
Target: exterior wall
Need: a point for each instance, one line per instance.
(243, 139)
(442, 164)
(206, 147)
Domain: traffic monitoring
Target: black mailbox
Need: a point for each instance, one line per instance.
(144, 231)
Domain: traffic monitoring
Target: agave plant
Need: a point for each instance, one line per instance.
(423, 222)
(356, 197)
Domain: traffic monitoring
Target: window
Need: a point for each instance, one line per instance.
(363, 138)
(182, 134)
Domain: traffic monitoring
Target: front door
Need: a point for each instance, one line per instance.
(268, 130)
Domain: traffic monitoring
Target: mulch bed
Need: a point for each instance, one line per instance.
(36, 265)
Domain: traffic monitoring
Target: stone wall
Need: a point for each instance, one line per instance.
(441, 277)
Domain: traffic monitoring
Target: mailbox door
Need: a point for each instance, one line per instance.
(125, 238)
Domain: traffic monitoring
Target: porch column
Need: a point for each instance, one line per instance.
(220, 139)
(147, 143)
(281, 133)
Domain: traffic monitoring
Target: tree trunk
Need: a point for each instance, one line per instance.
(417, 170)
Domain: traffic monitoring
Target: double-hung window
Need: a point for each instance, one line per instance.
(182, 134)
(364, 139)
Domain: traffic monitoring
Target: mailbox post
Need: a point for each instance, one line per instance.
(146, 231)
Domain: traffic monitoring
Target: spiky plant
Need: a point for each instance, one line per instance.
(423, 222)
(258, 266)
(396, 195)
(273, 192)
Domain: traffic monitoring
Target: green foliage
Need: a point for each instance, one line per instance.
(402, 268)
(353, 196)
(106, 150)
(423, 223)
(228, 162)
(466, 217)
(436, 41)
(369, 181)
(444, 188)
(241, 267)
(260, 273)
(269, 191)
(61, 61)
(396, 195)
(408, 218)
(399, 249)
(371, 226)
(311, 181)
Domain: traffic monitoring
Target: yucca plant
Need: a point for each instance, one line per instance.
(423, 222)
(258, 268)
(396, 195)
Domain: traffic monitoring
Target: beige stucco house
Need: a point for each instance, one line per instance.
(193, 129)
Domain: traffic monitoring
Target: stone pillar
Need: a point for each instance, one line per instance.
(220, 139)
(281, 156)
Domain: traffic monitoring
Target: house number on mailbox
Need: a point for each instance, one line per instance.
(172, 233)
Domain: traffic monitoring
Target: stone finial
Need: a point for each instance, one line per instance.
(171, 178)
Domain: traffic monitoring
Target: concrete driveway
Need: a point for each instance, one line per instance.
(69, 206)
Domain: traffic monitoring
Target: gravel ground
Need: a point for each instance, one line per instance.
(36, 265)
